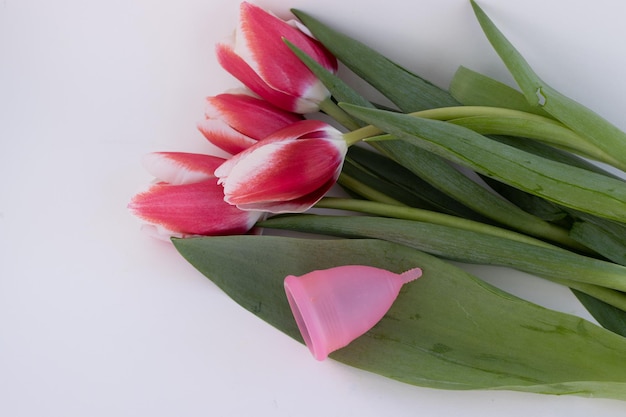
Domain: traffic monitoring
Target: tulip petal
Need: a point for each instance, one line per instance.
(236, 66)
(259, 30)
(288, 171)
(181, 167)
(191, 209)
(297, 205)
(235, 122)
(250, 116)
(303, 128)
(280, 171)
(222, 135)
(266, 65)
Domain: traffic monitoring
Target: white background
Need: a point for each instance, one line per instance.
(97, 319)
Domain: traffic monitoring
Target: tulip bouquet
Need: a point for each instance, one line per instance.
(480, 173)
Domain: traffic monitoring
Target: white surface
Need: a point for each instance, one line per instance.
(96, 319)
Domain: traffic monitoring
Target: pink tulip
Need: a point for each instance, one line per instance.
(235, 122)
(262, 61)
(289, 171)
(188, 201)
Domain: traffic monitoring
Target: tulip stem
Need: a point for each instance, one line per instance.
(331, 108)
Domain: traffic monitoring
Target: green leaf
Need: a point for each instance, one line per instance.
(464, 245)
(608, 316)
(577, 117)
(547, 131)
(456, 184)
(471, 88)
(549, 152)
(560, 183)
(363, 178)
(446, 330)
(606, 242)
(537, 206)
(391, 171)
(339, 90)
(407, 90)
(337, 87)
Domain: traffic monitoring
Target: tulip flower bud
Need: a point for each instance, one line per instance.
(289, 171)
(261, 60)
(188, 201)
(235, 122)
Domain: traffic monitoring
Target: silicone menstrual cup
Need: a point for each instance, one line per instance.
(332, 307)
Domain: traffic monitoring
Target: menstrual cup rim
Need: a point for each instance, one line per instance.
(306, 319)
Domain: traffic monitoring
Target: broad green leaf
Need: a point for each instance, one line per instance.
(560, 183)
(446, 330)
(577, 117)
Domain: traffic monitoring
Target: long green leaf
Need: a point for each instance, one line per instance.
(471, 88)
(546, 151)
(608, 316)
(391, 171)
(470, 193)
(364, 184)
(550, 133)
(532, 204)
(464, 245)
(446, 330)
(606, 242)
(407, 90)
(561, 183)
(577, 117)
(339, 89)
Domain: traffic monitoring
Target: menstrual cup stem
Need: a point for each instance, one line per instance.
(411, 275)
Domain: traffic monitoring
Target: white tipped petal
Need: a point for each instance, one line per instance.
(181, 168)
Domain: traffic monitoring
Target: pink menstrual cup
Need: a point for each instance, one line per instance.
(332, 307)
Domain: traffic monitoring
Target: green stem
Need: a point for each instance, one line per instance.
(361, 134)
(411, 213)
(331, 108)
